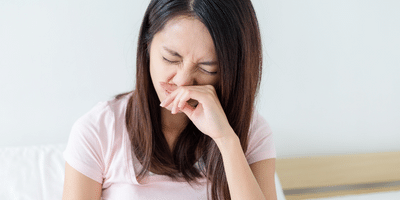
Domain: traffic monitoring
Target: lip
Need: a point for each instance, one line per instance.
(167, 92)
(168, 88)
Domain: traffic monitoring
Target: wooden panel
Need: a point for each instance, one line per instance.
(339, 193)
(319, 171)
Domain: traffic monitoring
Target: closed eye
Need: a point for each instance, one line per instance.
(170, 61)
(202, 69)
(208, 72)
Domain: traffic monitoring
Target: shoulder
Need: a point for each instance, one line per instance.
(260, 140)
(93, 137)
(97, 126)
(103, 114)
(95, 120)
(118, 104)
(259, 124)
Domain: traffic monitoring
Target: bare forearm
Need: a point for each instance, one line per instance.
(241, 181)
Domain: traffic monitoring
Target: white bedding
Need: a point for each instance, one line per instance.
(32, 172)
(37, 173)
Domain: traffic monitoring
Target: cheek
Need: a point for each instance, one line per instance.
(209, 80)
(156, 69)
(215, 80)
(160, 72)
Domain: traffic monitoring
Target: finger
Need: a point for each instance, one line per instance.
(176, 101)
(169, 99)
(183, 99)
(199, 94)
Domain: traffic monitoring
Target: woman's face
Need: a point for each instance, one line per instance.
(183, 54)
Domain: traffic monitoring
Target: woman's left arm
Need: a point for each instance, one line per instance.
(264, 171)
(255, 181)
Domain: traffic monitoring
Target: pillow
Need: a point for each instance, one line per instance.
(32, 172)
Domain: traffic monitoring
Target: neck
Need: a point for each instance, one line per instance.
(172, 125)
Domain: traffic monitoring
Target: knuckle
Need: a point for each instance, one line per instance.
(211, 88)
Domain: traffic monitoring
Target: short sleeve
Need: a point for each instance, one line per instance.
(88, 142)
(261, 143)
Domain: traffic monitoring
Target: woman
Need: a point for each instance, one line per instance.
(189, 129)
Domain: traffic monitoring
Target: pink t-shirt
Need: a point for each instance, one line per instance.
(99, 147)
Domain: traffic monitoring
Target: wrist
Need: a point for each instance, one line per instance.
(230, 138)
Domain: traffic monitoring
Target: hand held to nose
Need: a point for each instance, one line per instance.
(169, 88)
(201, 105)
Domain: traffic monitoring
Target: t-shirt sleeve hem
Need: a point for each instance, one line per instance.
(259, 158)
(82, 168)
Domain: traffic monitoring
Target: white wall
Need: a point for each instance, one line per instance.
(330, 81)
(58, 59)
(332, 75)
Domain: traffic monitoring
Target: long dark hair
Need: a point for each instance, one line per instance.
(234, 29)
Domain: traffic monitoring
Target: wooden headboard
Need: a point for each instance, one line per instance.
(327, 176)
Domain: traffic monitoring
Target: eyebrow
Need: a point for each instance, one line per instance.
(174, 53)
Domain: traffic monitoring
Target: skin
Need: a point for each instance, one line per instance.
(78, 186)
(181, 57)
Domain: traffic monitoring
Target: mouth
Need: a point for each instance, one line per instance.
(167, 92)
(168, 89)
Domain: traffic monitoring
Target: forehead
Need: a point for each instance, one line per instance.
(187, 36)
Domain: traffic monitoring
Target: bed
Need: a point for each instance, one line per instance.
(37, 173)
(368, 176)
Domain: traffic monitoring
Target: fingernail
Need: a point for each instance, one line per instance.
(174, 110)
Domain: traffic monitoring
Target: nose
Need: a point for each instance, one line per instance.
(183, 77)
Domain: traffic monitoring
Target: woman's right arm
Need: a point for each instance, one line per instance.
(80, 187)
